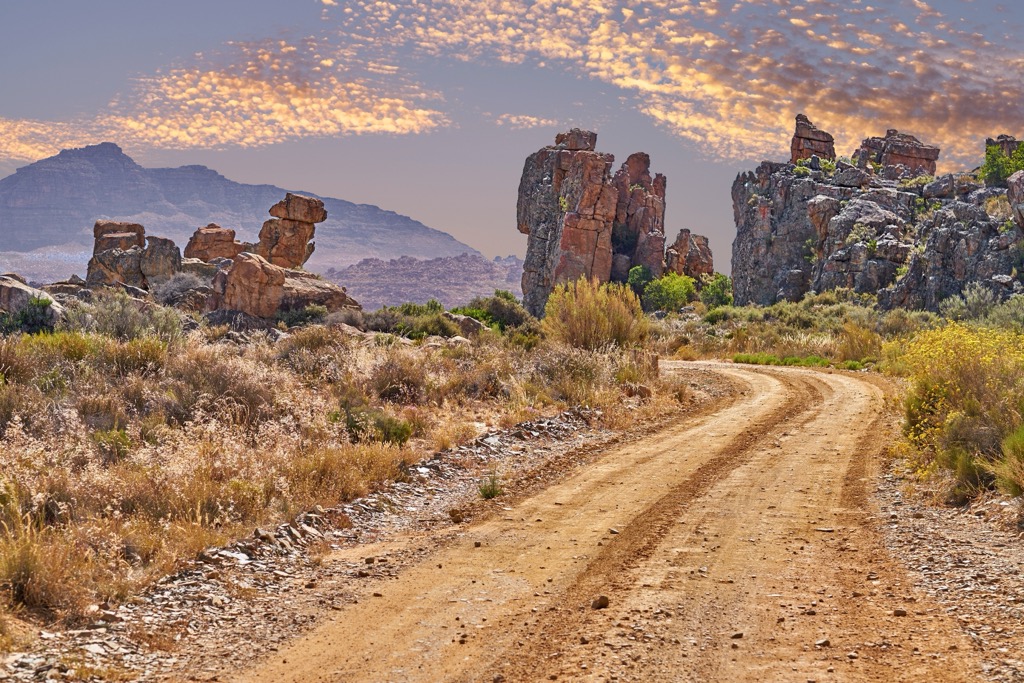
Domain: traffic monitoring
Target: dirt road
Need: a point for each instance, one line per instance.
(736, 545)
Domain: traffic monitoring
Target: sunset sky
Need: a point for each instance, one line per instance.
(429, 107)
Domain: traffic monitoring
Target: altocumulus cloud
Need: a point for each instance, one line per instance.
(727, 76)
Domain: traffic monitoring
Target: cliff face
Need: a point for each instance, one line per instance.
(817, 226)
(57, 200)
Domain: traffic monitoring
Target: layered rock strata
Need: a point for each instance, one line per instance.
(285, 239)
(122, 254)
(898, 149)
(809, 141)
(213, 242)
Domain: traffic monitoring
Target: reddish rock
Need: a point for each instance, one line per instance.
(160, 260)
(116, 266)
(297, 207)
(117, 235)
(15, 296)
(255, 286)
(898, 149)
(810, 141)
(213, 242)
(640, 214)
(285, 242)
(690, 255)
(577, 140)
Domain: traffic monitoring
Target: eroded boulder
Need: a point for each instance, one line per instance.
(285, 240)
(16, 296)
(213, 242)
(809, 141)
(690, 255)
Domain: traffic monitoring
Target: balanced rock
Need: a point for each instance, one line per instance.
(809, 141)
(116, 235)
(285, 239)
(16, 296)
(898, 149)
(213, 242)
(690, 255)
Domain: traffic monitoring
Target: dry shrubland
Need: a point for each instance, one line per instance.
(128, 444)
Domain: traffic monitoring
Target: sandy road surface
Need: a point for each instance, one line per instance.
(737, 545)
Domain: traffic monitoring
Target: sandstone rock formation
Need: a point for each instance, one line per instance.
(15, 296)
(912, 245)
(582, 222)
(256, 287)
(213, 242)
(122, 254)
(566, 205)
(809, 141)
(639, 228)
(898, 149)
(285, 239)
(690, 255)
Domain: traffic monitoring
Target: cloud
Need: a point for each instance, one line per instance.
(524, 121)
(267, 92)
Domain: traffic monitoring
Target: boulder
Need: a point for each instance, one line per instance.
(197, 267)
(898, 149)
(116, 266)
(809, 141)
(15, 296)
(577, 140)
(258, 288)
(213, 242)
(467, 326)
(639, 227)
(690, 255)
(296, 207)
(161, 259)
(117, 235)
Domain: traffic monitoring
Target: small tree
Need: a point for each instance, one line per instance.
(716, 290)
(669, 293)
(638, 278)
(998, 166)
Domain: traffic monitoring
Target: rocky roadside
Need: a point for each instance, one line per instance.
(238, 603)
(970, 561)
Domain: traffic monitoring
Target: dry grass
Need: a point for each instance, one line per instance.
(126, 448)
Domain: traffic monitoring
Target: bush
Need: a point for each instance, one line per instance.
(400, 378)
(669, 293)
(976, 302)
(588, 315)
(118, 315)
(998, 166)
(716, 291)
(35, 317)
(502, 309)
(311, 314)
(638, 279)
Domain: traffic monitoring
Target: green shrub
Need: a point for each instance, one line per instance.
(502, 309)
(638, 279)
(35, 317)
(310, 315)
(588, 315)
(716, 291)
(998, 166)
(669, 293)
(490, 486)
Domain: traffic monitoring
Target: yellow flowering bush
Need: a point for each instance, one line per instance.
(966, 397)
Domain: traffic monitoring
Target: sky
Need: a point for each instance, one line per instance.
(430, 107)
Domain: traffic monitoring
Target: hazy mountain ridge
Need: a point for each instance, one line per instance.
(55, 201)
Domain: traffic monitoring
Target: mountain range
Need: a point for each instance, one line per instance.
(48, 209)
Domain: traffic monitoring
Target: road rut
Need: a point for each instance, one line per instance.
(736, 545)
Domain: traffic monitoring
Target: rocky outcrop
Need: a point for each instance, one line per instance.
(898, 149)
(802, 229)
(809, 141)
(257, 287)
(122, 254)
(213, 242)
(1008, 144)
(690, 255)
(582, 222)
(285, 238)
(639, 228)
(1015, 195)
(15, 296)
(566, 205)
